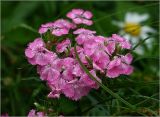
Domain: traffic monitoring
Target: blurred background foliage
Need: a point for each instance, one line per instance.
(20, 84)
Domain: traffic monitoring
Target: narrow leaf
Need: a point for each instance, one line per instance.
(28, 28)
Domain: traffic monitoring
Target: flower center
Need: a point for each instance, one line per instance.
(132, 28)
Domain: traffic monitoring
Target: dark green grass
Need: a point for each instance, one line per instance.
(21, 88)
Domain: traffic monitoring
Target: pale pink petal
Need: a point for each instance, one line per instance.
(125, 45)
(110, 48)
(38, 42)
(41, 59)
(61, 47)
(87, 14)
(127, 58)
(84, 31)
(42, 30)
(117, 37)
(113, 63)
(54, 94)
(114, 72)
(127, 69)
(40, 114)
(32, 113)
(68, 90)
(60, 32)
(50, 74)
(77, 71)
(95, 66)
(67, 74)
(29, 53)
(32, 61)
(87, 22)
(77, 11)
(78, 20)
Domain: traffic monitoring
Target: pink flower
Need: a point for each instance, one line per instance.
(57, 28)
(78, 48)
(127, 58)
(77, 70)
(120, 65)
(33, 113)
(61, 47)
(62, 73)
(100, 61)
(68, 62)
(45, 27)
(65, 23)
(87, 81)
(114, 68)
(84, 35)
(5, 115)
(67, 73)
(110, 47)
(37, 53)
(56, 88)
(51, 71)
(96, 49)
(48, 73)
(123, 42)
(79, 16)
(75, 90)
(84, 31)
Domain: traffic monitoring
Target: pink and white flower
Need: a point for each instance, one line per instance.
(83, 35)
(79, 16)
(57, 28)
(63, 74)
(36, 52)
(120, 65)
(33, 113)
(61, 47)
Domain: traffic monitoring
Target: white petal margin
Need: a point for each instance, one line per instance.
(149, 41)
(139, 50)
(135, 17)
(147, 29)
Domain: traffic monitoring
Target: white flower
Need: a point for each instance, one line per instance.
(133, 31)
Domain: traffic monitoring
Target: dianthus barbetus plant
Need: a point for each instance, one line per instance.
(54, 55)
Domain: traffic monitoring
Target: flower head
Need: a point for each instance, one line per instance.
(79, 16)
(61, 47)
(64, 74)
(75, 90)
(83, 35)
(57, 28)
(5, 115)
(33, 113)
(36, 52)
(133, 31)
(120, 65)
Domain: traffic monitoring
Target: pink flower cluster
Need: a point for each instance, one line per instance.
(33, 113)
(60, 67)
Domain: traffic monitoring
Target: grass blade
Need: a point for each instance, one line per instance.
(141, 42)
(28, 28)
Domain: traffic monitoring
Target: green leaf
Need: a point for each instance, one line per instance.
(21, 11)
(67, 106)
(140, 42)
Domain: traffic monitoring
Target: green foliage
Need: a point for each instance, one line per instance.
(21, 88)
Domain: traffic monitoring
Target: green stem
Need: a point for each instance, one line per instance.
(103, 86)
(141, 42)
(132, 107)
